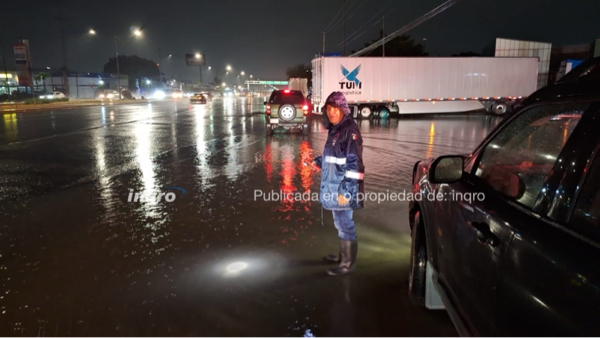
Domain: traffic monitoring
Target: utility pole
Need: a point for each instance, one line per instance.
(383, 34)
(118, 70)
(65, 76)
(5, 69)
(323, 43)
(200, 67)
(344, 36)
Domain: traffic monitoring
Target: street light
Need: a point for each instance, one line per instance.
(209, 67)
(136, 32)
(228, 68)
(243, 73)
(197, 55)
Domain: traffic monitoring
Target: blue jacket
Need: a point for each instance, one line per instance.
(342, 169)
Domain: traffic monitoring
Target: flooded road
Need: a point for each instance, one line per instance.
(203, 251)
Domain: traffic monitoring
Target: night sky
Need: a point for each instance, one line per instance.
(264, 37)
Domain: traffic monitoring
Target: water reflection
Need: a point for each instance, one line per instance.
(11, 131)
(143, 153)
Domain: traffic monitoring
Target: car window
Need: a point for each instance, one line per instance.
(586, 215)
(289, 98)
(518, 159)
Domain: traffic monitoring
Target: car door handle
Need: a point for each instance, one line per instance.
(484, 234)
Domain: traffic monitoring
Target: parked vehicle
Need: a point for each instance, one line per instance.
(506, 238)
(376, 86)
(286, 108)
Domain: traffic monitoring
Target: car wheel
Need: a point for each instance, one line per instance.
(287, 112)
(499, 108)
(364, 112)
(418, 263)
(384, 113)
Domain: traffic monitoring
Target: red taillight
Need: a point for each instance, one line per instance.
(268, 111)
(305, 109)
(287, 91)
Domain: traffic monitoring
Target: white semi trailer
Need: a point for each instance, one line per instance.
(378, 86)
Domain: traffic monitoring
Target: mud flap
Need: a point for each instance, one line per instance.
(433, 301)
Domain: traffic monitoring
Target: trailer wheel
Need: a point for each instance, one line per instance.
(384, 113)
(365, 112)
(499, 108)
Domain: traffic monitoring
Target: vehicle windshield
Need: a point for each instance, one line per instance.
(280, 97)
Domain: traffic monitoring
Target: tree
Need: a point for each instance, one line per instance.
(135, 67)
(301, 71)
(402, 45)
(217, 81)
(466, 54)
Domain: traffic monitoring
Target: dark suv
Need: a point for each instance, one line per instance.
(286, 108)
(507, 238)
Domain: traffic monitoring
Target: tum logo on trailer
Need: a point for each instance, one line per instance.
(350, 81)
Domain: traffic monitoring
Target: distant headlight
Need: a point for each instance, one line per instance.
(101, 96)
(159, 95)
(42, 97)
(110, 96)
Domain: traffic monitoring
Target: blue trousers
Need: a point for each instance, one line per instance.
(342, 219)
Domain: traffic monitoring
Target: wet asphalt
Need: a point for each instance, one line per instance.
(80, 257)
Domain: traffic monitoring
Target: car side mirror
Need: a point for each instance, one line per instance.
(446, 169)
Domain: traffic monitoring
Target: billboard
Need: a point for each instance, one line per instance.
(195, 59)
(23, 61)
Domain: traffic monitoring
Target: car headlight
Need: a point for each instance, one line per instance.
(159, 94)
(42, 96)
(101, 96)
(110, 96)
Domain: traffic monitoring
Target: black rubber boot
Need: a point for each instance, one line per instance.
(333, 258)
(349, 250)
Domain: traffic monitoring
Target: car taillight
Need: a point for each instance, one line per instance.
(268, 111)
(305, 109)
(287, 91)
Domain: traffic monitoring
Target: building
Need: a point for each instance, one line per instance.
(520, 48)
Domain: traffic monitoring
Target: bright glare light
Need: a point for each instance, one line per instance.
(243, 73)
(92, 32)
(197, 56)
(170, 55)
(159, 95)
(147, 81)
(137, 32)
(228, 67)
(224, 84)
(250, 75)
(209, 67)
(236, 267)
(100, 82)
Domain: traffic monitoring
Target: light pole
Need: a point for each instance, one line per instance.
(136, 33)
(198, 56)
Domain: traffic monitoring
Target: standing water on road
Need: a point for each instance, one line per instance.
(82, 256)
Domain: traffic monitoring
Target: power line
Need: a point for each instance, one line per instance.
(408, 27)
(345, 16)
(363, 26)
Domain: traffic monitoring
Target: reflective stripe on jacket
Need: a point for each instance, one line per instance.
(342, 167)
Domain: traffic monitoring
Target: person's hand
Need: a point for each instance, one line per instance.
(342, 200)
(314, 166)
